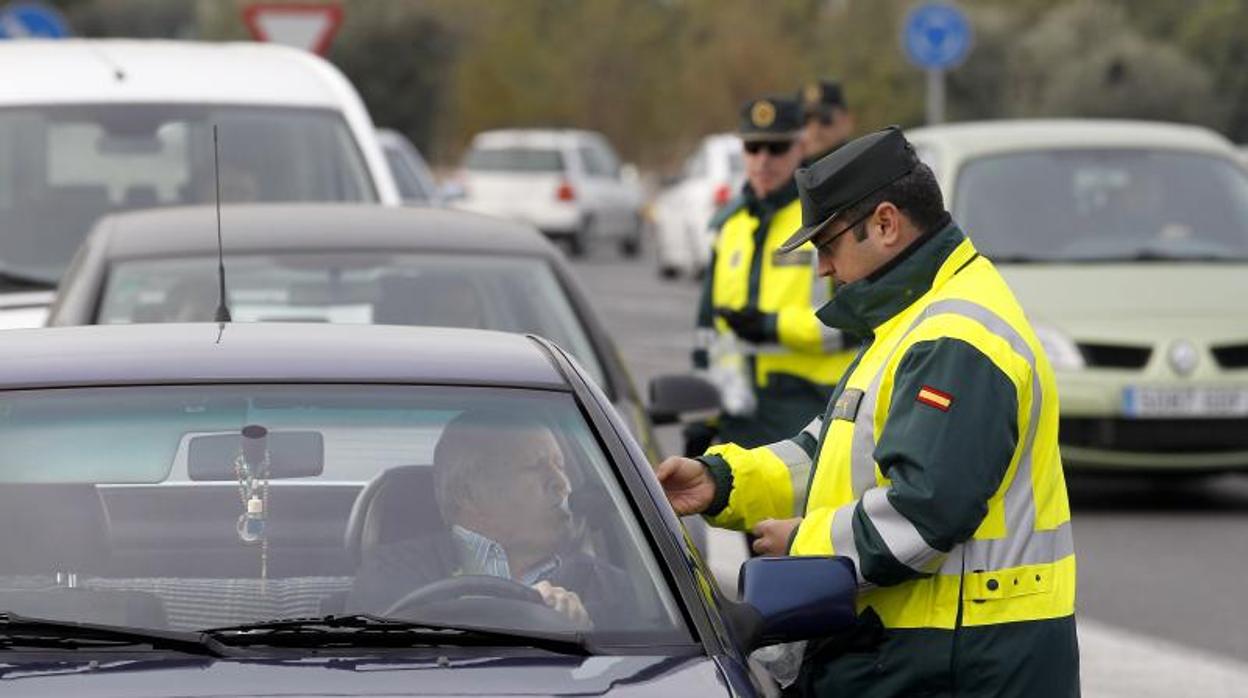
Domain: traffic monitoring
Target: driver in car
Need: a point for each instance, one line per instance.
(502, 489)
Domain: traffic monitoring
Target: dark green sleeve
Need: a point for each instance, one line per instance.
(944, 464)
(723, 213)
(706, 314)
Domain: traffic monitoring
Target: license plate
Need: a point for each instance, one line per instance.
(1191, 401)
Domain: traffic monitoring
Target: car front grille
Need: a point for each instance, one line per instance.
(1231, 355)
(1114, 355)
(1156, 435)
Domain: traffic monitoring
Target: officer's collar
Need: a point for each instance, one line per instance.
(864, 305)
(773, 201)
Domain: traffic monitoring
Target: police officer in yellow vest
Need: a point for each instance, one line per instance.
(935, 468)
(756, 317)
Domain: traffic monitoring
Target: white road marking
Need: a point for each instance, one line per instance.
(1117, 663)
(1114, 662)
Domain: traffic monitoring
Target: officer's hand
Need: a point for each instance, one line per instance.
(565, 602)
(750, 324)
(687, 485)
(771, 536)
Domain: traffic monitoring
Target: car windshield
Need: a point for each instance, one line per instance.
(513, 294)
(514, 160)
(62, 167)
(1104, 205)
(194, 507)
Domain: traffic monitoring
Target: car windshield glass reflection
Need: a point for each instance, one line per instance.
(514, 295)
(193, 507)
(65, 166)
(514, 160)
(1104, 205)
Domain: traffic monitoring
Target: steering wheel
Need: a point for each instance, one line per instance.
(454, 588)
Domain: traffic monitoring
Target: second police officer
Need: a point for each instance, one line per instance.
(756, 316)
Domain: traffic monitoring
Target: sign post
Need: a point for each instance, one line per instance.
(32, 20)
(308, 26)
(936, 37)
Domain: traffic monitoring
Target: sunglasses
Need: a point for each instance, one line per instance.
(824, 243)
(772, 147)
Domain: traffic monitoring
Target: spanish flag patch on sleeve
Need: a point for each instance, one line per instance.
(934, 398)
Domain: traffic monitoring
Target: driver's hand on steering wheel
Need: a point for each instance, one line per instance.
(565, 602)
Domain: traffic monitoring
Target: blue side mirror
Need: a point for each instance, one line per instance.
(787, 599)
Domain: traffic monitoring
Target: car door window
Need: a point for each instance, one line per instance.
(598, 163)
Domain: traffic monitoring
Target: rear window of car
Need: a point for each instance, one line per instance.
(514, 160)
(511, 294)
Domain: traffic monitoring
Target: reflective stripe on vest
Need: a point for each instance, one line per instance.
(1020, 507)
(1025, 562)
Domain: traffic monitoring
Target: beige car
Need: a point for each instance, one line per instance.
(1127, 244)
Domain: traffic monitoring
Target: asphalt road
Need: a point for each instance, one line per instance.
(1162, 560)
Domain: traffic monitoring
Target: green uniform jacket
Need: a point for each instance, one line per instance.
(794, 376)
(936, 470)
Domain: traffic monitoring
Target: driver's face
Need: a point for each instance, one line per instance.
(531, 499)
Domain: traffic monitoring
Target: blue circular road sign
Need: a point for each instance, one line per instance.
(32, 20)
(936, 36)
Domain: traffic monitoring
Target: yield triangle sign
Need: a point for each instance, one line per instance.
(303, 25)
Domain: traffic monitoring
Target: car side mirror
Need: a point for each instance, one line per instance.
(682, 396)
(788, 599)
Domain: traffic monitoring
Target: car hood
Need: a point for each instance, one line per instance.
(1139, 302)
(427, 675)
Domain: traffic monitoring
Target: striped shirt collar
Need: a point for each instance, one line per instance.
(481, 555)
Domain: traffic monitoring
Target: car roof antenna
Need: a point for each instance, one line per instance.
(223, 311)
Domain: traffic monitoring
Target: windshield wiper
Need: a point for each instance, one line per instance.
(19, 632)
(364, 630)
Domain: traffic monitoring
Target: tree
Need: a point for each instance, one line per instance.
(1084, 59)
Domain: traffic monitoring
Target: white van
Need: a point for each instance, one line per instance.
(568, 183)
(90, 126)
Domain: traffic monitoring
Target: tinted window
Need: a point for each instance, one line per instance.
(598, 162)
(518, 294)
(410, 186)
(1104, 204)
(62, 167)
(151, 492)
(514, 160)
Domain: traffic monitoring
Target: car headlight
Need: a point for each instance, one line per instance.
(1061, 350)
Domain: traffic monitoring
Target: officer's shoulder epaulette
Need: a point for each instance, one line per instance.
(723, 213)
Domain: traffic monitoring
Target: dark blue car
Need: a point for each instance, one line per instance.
(289, 509)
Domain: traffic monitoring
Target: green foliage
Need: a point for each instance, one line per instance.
(400, 63)
(655, 75)
(1085, 59)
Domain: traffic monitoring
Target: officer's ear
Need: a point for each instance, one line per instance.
(889, 226)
